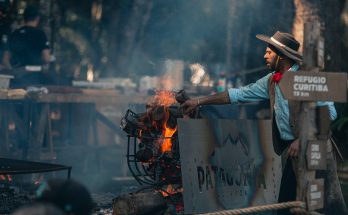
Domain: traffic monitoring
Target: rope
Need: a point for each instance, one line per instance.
(261, 208)
(299, 211)
(302, 211)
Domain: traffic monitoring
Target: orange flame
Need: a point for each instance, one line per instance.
(167, 141)
(163, 98)
(170, 189)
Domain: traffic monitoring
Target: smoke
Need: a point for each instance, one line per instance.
(196, 31)
(136, 38)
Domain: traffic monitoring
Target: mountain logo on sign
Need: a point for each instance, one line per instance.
(239, 139)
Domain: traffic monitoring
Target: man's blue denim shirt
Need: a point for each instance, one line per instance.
(259, 91)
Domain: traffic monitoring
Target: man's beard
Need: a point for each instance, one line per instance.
(272, 65)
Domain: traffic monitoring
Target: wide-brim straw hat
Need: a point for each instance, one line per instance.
(284, 43)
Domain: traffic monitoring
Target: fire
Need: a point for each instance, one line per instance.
(167, 138)
(155, 148)
(171, 189)
(163, 98)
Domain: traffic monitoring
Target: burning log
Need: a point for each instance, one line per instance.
(144, 155)
(182, 96)
(156, 113)
(139, 204)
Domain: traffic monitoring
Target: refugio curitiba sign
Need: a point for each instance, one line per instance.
(314, 86)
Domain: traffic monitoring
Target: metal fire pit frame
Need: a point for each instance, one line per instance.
(129, 125)
(15, 167)
(142, 176)
(136, 167)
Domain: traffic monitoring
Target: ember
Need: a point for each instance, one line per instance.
(6, 178)
(153, 149)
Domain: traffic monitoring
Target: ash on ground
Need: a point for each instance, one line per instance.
(103, 203)
(12, 197)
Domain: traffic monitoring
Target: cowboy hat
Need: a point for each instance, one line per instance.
(284, 43)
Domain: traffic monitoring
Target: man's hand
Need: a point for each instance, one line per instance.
(189, 105)
(294, 148)
(216, 99)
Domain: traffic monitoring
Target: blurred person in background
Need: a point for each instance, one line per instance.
(28, 51)
(68, 195)
(38, 209)
(5, 28)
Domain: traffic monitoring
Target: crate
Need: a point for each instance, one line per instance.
(5, 81)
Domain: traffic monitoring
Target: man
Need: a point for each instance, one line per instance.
(38, 209)
(5, 27)
(281, 56)
(28, 51)
(70, 196)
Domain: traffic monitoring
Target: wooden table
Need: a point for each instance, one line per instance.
(58, 95)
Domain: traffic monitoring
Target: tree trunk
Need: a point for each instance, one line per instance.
(112, 46)
(328, 13)
(139, 40)
(134, 26)
(231, 11)
(45, 9)
(333, 34)
(306, 10)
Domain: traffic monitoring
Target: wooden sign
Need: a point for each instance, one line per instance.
(316, 155)
(314, 86)
(315, 194)
(229, 164)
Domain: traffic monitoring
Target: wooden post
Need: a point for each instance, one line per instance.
(311, 45)
(309, 189)
(315, 152)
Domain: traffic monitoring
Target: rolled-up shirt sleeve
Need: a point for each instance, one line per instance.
(332, 109)
(251, 93)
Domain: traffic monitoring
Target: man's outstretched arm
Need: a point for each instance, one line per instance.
(251, 93)
(216, 99)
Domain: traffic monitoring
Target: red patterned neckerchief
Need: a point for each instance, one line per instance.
(277, 76)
